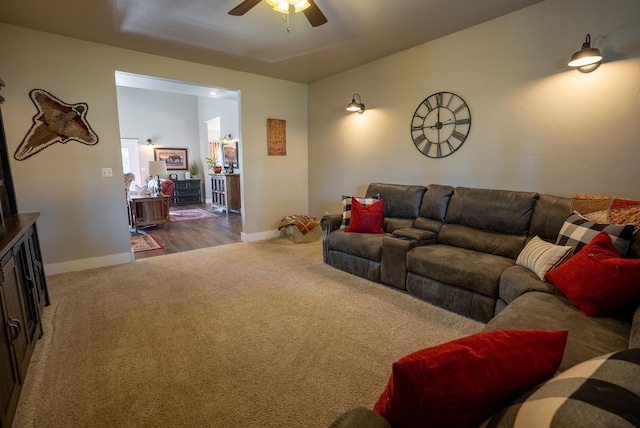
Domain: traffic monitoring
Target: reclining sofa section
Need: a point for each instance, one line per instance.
(453, 247)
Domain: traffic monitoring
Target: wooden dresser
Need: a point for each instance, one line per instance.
(23, 295)
(225, 191)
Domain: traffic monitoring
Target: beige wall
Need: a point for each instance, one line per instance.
(537, 125)
(83, 217)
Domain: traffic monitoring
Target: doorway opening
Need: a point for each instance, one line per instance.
(158, 116)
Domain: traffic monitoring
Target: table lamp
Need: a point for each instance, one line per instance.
(156, 168)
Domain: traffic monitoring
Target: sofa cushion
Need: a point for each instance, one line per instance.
(346, 206)
(367, 245)
(501, 211)
(366, 218)
(597, 280)
(436, 387)
(601, 392)
(549, 213)
(577, 231)
(540, 256)
(461, 267)
(498, 244)
(544, 311)
(400, 200)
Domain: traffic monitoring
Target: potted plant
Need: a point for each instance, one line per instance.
(214, 164)
(194, 168)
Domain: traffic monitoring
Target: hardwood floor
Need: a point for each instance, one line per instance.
(193, 234)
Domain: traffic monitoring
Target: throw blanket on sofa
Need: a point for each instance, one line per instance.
(304, 223)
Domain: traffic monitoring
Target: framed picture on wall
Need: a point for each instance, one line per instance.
(176, 159)
(230, 154)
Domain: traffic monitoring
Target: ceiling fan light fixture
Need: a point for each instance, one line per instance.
(282, 6)
(300, 5)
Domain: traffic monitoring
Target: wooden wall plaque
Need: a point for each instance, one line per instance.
(276, 137)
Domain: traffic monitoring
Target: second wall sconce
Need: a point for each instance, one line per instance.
(356, 106)
(586, 59)
(149, 142)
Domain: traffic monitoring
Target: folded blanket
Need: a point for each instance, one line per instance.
(304, 223)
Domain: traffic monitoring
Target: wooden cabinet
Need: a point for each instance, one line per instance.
(225, 191)
(186, 192)
(23, 294)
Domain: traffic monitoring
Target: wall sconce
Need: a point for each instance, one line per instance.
(586, 59)
(356, 106)
(149, 142)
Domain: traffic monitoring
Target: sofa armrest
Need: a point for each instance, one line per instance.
(517, 280)
(331, 222)
(360, 417)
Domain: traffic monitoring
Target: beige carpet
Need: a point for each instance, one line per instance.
(243, 335)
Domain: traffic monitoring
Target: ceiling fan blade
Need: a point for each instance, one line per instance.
(243, 7)
(314, 15)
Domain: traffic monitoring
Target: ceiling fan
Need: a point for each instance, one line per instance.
(308, 7)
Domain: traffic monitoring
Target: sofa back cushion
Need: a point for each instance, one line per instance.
(433, 207)
(400, 200)
(498, 244)
(501, 211)
(549, 214)
(490, 221)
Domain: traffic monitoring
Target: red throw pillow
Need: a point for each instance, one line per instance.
(366, 218)
(463, 382)
(596, 279)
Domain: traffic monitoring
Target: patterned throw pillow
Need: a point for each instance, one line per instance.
(601, 392)
(346, 206)
(607, 209)
(540, 256)
(577, 232)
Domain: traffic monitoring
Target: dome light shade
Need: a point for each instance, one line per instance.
(587, 56)
(283, 6)
(356, 106)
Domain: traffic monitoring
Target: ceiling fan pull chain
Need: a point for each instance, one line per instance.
(288, 23)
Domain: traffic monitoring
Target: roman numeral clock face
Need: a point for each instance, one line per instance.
(440, 124)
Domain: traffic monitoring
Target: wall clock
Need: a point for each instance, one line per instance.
(440, 124)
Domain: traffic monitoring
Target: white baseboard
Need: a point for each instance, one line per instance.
(260, 236)
(84, 264)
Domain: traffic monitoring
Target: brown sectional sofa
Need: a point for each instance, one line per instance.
(457, 248)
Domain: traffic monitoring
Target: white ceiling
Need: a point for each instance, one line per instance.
(358, 31)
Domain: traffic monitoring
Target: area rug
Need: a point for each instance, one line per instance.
(195, 214)
(146, 242)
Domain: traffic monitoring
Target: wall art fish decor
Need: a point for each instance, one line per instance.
(55, 122)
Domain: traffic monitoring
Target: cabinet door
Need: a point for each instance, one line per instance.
(36, 269)
(9, 380)
(16, 320)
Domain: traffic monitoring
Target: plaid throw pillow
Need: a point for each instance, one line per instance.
(603, 392)
(577, 232)
(346, 206)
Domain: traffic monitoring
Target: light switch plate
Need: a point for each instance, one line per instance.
(107, 172)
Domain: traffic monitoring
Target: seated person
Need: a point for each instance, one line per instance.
(129, 178)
